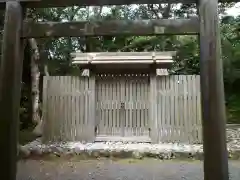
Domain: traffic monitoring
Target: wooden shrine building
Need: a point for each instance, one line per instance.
(127, 96)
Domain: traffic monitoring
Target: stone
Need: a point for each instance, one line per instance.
(137, 155)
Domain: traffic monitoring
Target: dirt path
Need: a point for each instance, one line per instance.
(116, 170)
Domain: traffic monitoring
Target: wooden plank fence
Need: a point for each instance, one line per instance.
(179, 108)
(123, 107)
(68, 113)
(66, 108)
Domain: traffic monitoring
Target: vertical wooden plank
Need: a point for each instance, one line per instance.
(137, 104)
(99, 102)
(104, 107)
(10, 88)
(72, 127)
(117, 105)
(173, 121)
(194, 103)
(70, 107)
(127, 105)
(213, 109)
(180, 99)
(131, 89)
(86, 107)
(104, 100)
(50, 114)
(199, 110)
(82, 108)
(153, 107)
(167, 109)
(183, 106)
(60, 104)
(142, 105)
(109, 106)
(67, 107)
(55, 108)
(163, 111)
(92, 107)
(159, 109)
(106, 88)
(122, 98)
(175, 114)
(73, 112)
(184, 91)
(146, 106)
(113, 108)
(45, 109)
(77, 109)
(189, 109)
(49, 110)
(134, 95)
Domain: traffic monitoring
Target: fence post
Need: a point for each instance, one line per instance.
(153, 106)
(92, 105)
(45, 135)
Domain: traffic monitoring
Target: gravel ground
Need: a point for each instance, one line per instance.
(129, 150)
(148, 169)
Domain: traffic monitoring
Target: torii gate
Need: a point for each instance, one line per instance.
(15, 31)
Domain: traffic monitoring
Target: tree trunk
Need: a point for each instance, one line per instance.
(35, 76)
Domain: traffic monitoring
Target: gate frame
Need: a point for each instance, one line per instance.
(141, 139)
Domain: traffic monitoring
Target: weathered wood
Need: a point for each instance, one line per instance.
(135, 139)
(122, 105)
(153, 107)
(44, 107)
(111, 28)
(123, 61)
(165, 55)
(67, 109)
(92, 106)
(126, 68)
(213, 109)
(10, 89)
(176, 107)
(64, 3)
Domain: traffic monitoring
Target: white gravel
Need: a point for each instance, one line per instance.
(77, 147)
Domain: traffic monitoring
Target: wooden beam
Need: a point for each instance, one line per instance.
(10, 89)
(213, 107)
(153, 106)
(111, 28)
(65, 3)
(123, 56)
